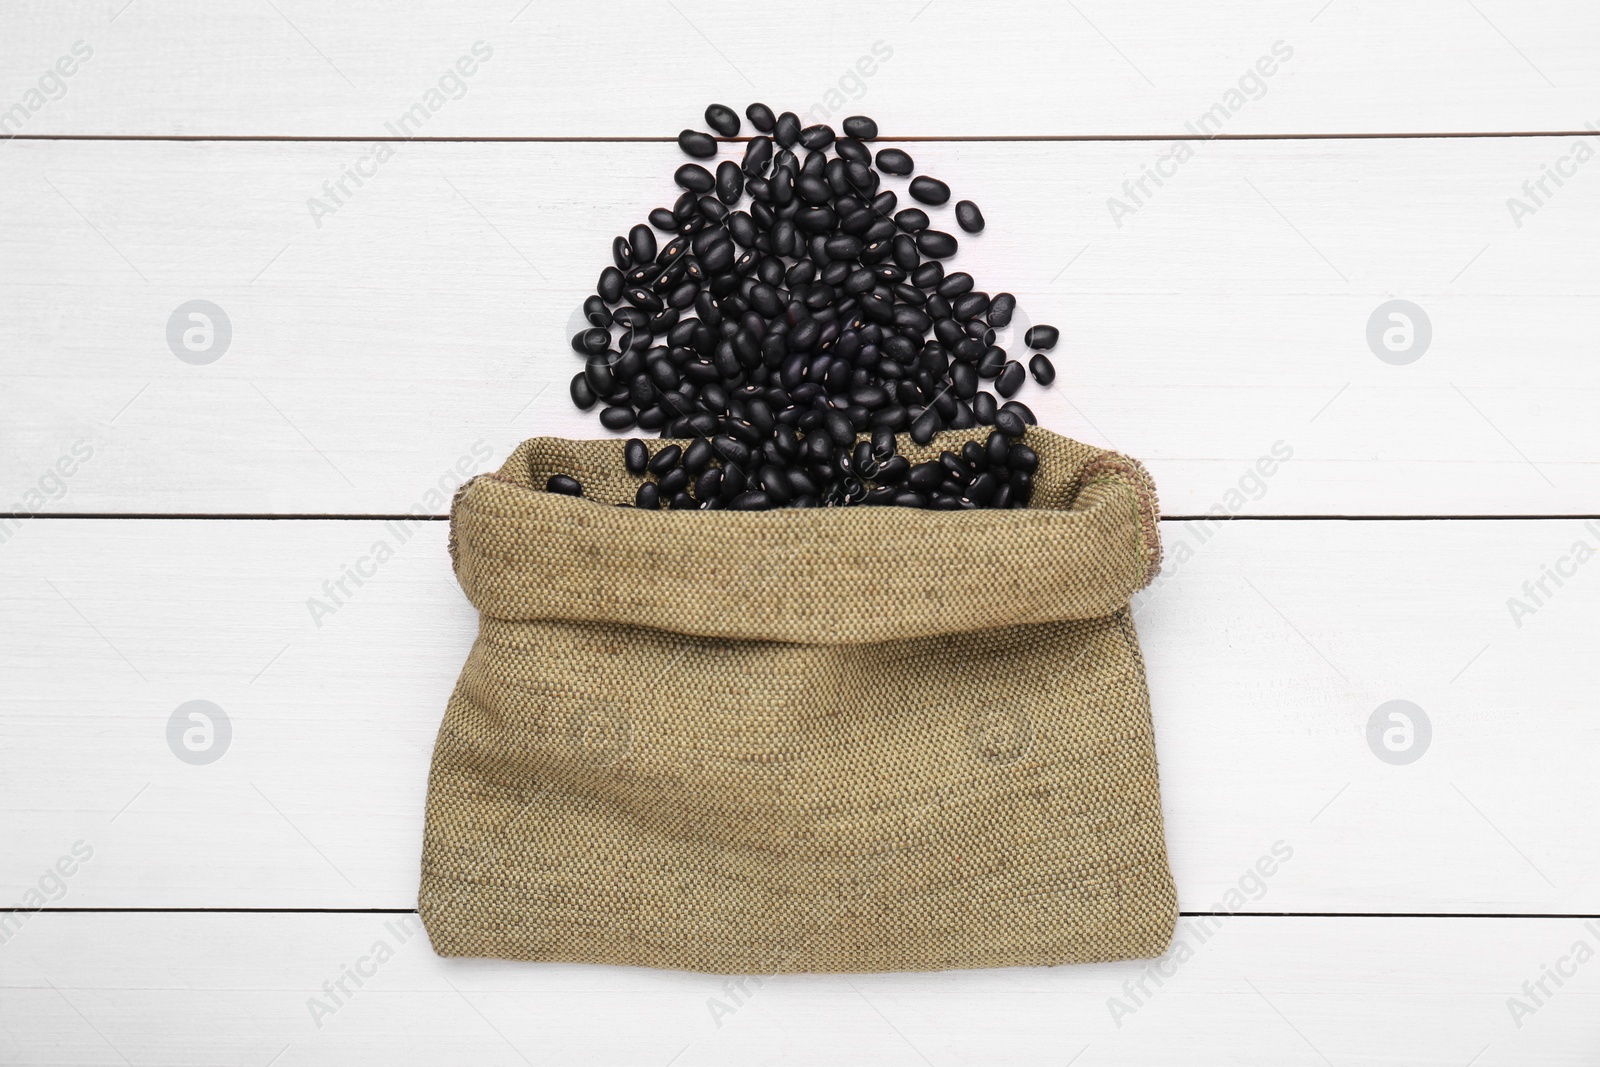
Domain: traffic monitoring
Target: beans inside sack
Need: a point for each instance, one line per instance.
(790, 339)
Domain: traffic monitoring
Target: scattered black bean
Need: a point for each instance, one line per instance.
(894, 161)
(861, 128)
(583, 397)
(968, 217)
(936, 244)
(1044, 372)
(723, 119)
(923, 189)
(1044, 337)
(761, 117)
(818, 136)
(697, 144)
(694, 177)
(787, 129)
(566, 486)
(1010, 379)
(1001, 309)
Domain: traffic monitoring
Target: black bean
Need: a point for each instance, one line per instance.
(982, 488)
(928, 190)
(751, 500)
(853, 150)
(594, 309)
(954, 285)
(597, 370)
(911, 219)
(774, 481)
(1009, 423)
(730, 182)
(636, 455)
(697, 144)
(928, 276)
(694, 177)
(673, 482)
(648, 497)
(817, 137)
(1044, 337)
(995, 447)
(992, 362)
(682, 501)
(1044, 372)
(860, 127)
(925, 476)
(662, 219)
(757, 154)
(761, 117)
(1010, 379)
(968, 217)
(732, 450)
(723, 119)
(697, 457)
(642, 298)
(936, 243)
(563, 484)
(1001, 309)
(892, 471)
(664, 460)
(708, 485)
(787, 129)
(642, 239)
(983, 409)
(1022, 410)
(969, 306)
(583, 397)
(1022, 458)
(894, 161)
(924, 426)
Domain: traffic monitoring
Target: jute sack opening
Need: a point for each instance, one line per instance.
(839, 740)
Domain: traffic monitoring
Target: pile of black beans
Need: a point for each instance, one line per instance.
(792, 340)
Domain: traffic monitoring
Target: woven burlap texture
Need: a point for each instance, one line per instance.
(831, 739)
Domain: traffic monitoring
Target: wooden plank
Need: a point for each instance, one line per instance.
(430, 312)
(296, 68)
(114, 988)
(1270, 646)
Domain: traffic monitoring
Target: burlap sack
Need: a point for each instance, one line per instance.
(842, 739)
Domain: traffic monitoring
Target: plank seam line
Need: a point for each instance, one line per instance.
(1086, 137)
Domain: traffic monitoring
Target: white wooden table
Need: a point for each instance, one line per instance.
(170, 520)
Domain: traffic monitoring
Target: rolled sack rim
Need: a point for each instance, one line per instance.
(811, 575)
